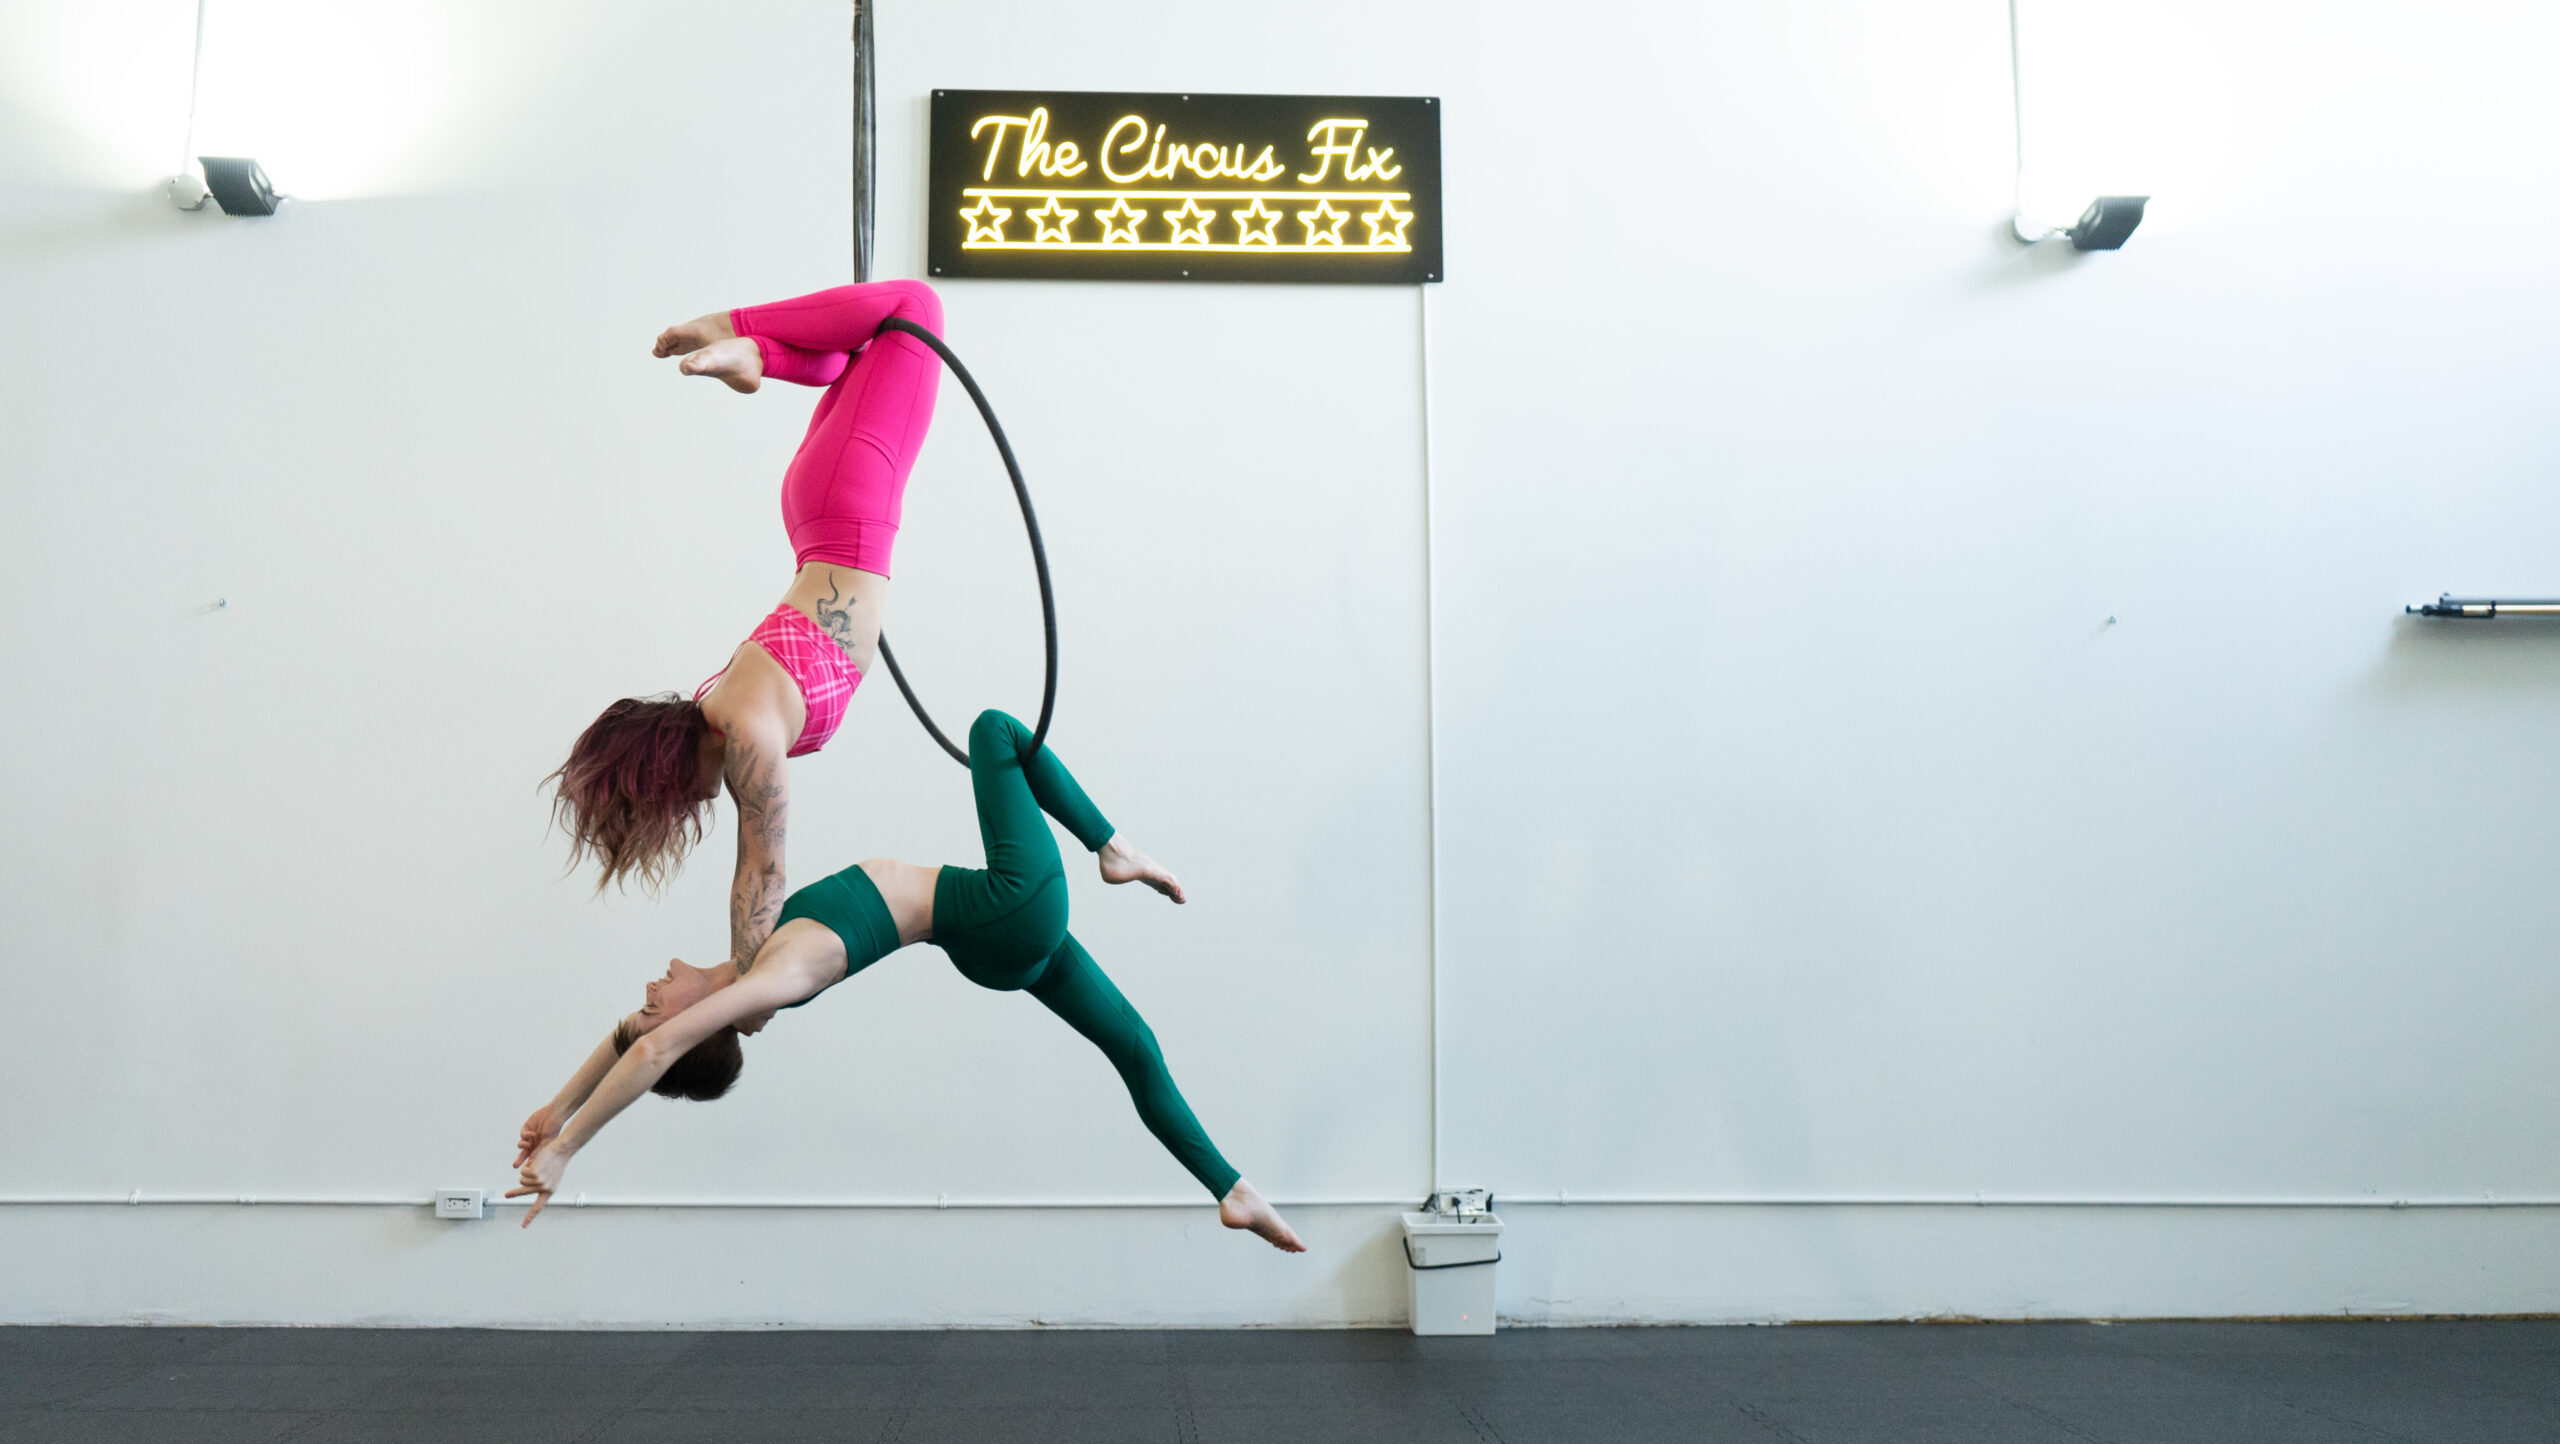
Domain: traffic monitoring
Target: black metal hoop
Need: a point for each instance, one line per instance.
(1039, 557)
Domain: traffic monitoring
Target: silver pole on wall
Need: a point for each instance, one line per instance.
(2483, 608)
(865, 188)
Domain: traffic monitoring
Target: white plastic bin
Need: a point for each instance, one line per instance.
(1449, 1261)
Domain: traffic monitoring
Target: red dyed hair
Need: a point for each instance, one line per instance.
(629, 796)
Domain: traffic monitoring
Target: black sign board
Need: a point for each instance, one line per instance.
(1080, 185)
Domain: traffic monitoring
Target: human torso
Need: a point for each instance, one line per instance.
(755, 696)
(907, 890)
(843, 602)
(815, 679)
(813, 648)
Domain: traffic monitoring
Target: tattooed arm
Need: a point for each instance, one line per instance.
(754, 772)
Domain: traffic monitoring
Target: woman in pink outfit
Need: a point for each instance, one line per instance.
(637, 790)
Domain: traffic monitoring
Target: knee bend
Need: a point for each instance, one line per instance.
(918, 303)
(999, 731)
(1136, 1051)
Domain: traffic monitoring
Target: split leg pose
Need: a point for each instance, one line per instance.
(637, 790)
(1004, 927)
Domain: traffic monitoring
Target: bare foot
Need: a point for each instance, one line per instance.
(735, 360)
(695, 334)
(1244, 1208)
(1123, 863)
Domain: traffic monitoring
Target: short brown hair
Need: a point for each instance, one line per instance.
(706, 1071)
(627, 794)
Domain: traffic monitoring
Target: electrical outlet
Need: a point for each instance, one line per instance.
(460, 1203)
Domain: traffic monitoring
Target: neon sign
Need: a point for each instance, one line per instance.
(1087, 185)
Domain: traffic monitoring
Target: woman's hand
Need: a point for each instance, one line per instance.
(541, 1178)
(539, 1129)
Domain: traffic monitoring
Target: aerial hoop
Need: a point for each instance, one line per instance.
(864, 203)
(1039, 557)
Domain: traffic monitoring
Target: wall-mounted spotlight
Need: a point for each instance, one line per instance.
(241, 189)
(232, 181)
(2108, 220)
(2102, 227)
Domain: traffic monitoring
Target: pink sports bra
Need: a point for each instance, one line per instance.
(821, 670)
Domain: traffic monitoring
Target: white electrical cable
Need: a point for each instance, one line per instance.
(1566, 1199)
(1431, 712)
(2018, 137)
(187, 152)
(1561, 1198)
(137, 1198)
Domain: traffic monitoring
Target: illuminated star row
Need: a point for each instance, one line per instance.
(1191, 226)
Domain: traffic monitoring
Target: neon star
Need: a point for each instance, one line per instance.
(986, 221)
(1190, 223)
(1386, 225)
(1320, 231)
(1054, 217)
(1257, 222)
(1120, 223)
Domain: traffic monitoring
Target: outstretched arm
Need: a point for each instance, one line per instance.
(800, 972)
(551, 1117)
(759, 783)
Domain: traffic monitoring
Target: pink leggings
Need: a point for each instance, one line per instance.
(842, 495)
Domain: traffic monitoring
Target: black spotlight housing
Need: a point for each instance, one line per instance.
(238, 186)
(2102, 227)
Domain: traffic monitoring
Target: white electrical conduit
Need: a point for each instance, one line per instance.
(379, 1200)
(195, 84)
(1431, 713)
(2018, 138)
(186, 179)
(1562, 1198)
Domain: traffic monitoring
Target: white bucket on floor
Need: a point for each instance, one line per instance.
(1449, 1261)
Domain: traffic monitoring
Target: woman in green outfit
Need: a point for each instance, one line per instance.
(1004, 927)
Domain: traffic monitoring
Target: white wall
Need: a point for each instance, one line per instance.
(1804, 832)
(1780, 661)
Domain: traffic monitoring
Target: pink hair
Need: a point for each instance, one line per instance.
(629, 794)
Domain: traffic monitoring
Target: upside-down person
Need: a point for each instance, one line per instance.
(1004, 927)
(637, 790)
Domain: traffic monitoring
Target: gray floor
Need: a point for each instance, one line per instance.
(2197, 1383)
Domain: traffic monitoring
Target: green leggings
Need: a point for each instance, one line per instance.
(1005, 927)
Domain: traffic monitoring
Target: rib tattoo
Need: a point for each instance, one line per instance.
(838, 620)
